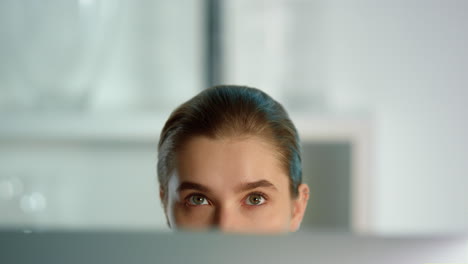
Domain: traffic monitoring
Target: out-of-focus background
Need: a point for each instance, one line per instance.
(377, 89)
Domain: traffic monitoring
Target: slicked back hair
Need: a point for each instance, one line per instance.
(230, 111)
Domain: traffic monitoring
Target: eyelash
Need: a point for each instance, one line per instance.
(263, 195)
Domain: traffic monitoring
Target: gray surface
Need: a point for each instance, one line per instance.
(327, 171)
(304, 247)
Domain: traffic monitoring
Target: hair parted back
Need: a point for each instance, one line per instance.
(230, 111)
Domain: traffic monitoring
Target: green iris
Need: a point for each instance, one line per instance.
(255, 199)
(197, 200)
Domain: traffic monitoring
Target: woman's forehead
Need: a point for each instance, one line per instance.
(223, 163)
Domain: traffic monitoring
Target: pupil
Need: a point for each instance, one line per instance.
(255, 199)
(198, 199)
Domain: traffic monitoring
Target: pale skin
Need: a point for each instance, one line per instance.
(233, 185)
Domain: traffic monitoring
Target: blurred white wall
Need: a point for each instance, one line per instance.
(406, 61)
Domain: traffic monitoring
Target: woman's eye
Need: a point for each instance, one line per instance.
(255, 199)
(197, 200)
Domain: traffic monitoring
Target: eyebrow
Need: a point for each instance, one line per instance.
(252, 185)
(187, 185)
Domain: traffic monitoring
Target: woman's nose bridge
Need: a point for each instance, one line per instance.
(225, 217)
